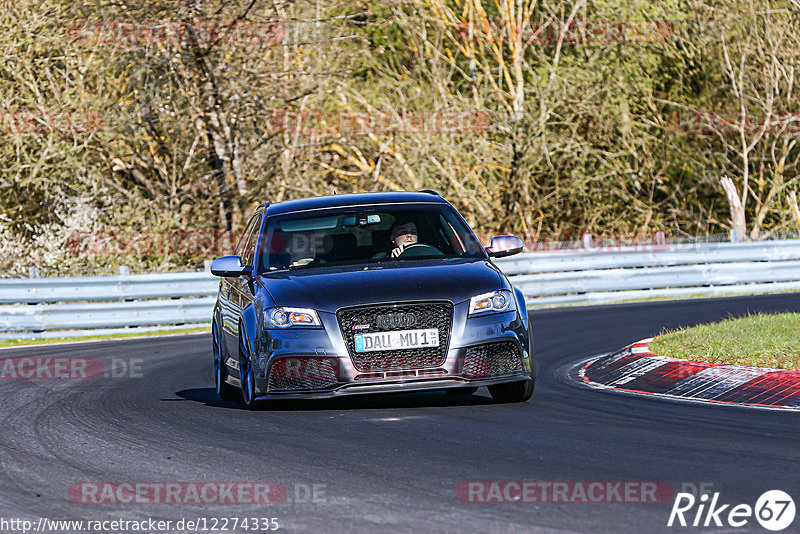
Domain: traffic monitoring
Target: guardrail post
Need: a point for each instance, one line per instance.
(124, 270)
(33, 272)
(734, 236)
(587, 240)
(207, 266)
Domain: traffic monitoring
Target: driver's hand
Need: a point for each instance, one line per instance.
(397, 251)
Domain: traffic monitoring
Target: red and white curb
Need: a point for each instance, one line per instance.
(635, 369)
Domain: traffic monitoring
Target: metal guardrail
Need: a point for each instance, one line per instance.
(650, 256)
(59, 307)
(78, 306)
(107, 314)
(601, 276)
(99, 288)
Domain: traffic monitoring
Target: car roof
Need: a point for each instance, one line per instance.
(353, 199)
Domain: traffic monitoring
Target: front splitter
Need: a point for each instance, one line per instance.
(407, 386)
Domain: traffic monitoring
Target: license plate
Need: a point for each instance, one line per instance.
(399, 339)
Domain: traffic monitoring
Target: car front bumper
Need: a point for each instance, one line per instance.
(302, 357)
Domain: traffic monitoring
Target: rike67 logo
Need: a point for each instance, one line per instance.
(774, 510)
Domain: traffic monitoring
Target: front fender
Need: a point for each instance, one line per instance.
(519, 299)
(523, 314)
(249, 322)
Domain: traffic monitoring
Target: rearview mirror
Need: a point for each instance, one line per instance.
(229, 267)
(504, 245)
(361, 219)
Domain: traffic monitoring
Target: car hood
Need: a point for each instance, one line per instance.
(327, 289)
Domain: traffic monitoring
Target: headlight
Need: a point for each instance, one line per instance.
(494, 302)
(287, 317)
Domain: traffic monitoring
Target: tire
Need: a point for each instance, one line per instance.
(513, 392)
(246, 376)
(462, 391)
(225, 391)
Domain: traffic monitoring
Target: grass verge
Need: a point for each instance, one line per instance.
(761, 340)
(24, 342)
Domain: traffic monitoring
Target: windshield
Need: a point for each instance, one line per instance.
(349, 236)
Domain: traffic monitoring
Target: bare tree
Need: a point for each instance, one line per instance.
(759, 49)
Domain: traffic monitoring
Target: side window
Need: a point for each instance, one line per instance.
(251, 243)
(245, 235)
(247, 244)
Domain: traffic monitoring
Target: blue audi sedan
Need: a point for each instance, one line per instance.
(368, 293)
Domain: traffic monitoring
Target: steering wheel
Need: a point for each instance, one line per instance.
(420, 249)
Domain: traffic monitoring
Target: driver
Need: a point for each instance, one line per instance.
(404, 234)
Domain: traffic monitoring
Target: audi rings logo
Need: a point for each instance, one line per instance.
(396, 320)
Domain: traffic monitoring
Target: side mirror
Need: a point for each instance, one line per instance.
(503, 245)
(229, 267)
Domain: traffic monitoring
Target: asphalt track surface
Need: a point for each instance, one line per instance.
(392, 463)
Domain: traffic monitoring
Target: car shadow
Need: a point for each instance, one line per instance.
(378, 401)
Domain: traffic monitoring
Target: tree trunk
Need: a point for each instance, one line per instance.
(737, 209)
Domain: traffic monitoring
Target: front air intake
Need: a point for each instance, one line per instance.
(492, 359)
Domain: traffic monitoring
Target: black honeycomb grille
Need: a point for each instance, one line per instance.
(492, 359)
(437, 315)
(288, 375)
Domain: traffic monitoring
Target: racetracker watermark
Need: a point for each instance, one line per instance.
(178, 493)
(149, 524)
(585, 32)
(68, 368)
(258, 493)
(564, 492)
(200, 32)
(594, 243)
(144, 243)
(734, 122)
(381, 122)
(774, 510)
(294, 372)
(43, 121)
